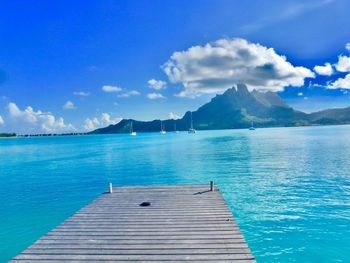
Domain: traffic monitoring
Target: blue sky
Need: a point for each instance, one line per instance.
(68, 65)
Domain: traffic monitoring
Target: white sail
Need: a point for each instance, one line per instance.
(191, 130)
(162, 130)
(132, 133)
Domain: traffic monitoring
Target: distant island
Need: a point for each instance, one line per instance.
(51, 134)
(6, 135)
(237, 108)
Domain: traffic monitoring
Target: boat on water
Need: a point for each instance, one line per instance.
(191, 130)
(251, 128)
(132, 132)
(162, 130)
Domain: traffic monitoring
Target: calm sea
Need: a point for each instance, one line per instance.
(289, 188)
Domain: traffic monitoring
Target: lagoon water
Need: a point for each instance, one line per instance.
(289, 188)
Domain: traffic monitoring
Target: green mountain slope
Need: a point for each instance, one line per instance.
(237, 108)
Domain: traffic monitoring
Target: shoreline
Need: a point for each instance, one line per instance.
(179, 131)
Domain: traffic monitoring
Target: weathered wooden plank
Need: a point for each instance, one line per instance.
(161, 206)
(221, 242)
(155, 225)
(133, 228)
(185, 223)
(142, 216)
(153, 261)
(117, 229)
(152, 214)
(132, 252)
(132, 224)
(57, 245)
(144, 237)
(183, 257)
(153, 210)
(153, 219)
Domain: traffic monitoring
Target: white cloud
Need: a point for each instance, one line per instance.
(129, 94)
(326, 70)
(317, 85)
(31, 121)
(1, 120)
(91, 124)
(186, 94)
(343, 64)
(103, 120)
(174, 116)
(27, 115)
(156, 84)
(107, 120)
(343, 83)
(226, 62)
(69, 105)
(108, 88)
(347, 46)
(81, 93)
(155, 96)
(300, 94)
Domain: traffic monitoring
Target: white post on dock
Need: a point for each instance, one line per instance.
(211, 186)
(110, 188)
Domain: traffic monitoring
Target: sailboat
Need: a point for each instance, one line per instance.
(191, 130)
(132, 132)
(162, 131)
(252, 127)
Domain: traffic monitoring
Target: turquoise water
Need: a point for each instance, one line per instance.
(289, 188)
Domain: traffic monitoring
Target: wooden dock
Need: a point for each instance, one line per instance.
(183, 223)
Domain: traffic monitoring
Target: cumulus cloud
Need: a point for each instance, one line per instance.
(110, 89)
(81, 93)
(102, 121)
(91, 124)
(155, 96)
(343, 83)
(326, 70)
(217, 66)
(347, 46)
(174, 116)
(300, 94)
(1, 120)
(31, 121)
(69, 105)
(343, 64)
(156, 84)
(129, 94)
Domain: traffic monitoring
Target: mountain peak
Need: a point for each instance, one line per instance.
(242, 88)
(269, 98)
(236, 108)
